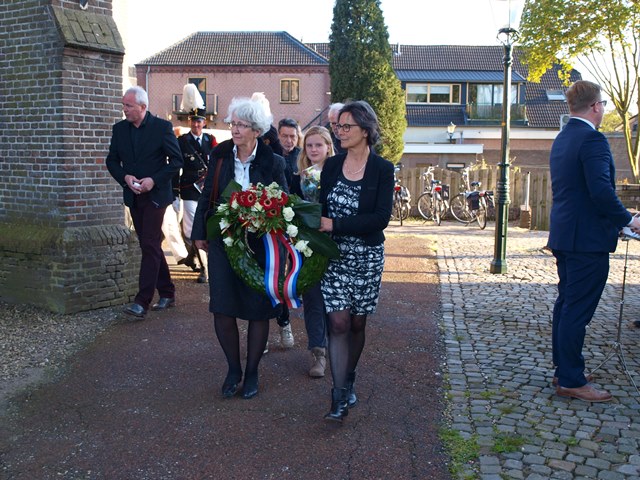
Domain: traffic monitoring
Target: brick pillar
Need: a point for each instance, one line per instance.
(63, 243)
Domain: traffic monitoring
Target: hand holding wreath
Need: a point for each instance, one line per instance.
(282, 220)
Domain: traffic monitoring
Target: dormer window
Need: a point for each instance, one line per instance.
(556, 95)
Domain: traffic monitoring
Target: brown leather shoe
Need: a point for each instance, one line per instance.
(587, 393)
(589, 378)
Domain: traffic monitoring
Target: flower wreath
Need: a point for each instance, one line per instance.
(286, 223)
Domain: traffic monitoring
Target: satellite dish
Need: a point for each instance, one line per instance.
(564, 119)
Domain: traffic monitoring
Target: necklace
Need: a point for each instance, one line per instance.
(357, 171)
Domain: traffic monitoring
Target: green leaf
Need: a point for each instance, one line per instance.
(233, 186)
(309, 213)
(319, 242)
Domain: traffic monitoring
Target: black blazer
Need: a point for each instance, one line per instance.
(376, 198)
(267, 167)
(155, 154)
(196, 161)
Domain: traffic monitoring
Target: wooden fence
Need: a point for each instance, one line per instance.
(539, 187)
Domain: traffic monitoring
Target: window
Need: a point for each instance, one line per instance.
(289, 90)
(433, 93)
(555, 95)
(490, 94)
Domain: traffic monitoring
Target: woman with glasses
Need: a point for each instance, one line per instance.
(356, 192)
(247, 160)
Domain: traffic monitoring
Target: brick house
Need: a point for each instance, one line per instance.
(444, 84)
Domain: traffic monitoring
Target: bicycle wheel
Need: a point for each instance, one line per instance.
(437, 206)
(396, 210)
(405, 210)
(481, 214)
(460, 210)
(424, 205)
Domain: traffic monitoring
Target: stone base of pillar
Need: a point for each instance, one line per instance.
(68, 270)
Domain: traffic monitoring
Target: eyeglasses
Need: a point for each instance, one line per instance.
(602, 102)
(346, 126)
(238, 125)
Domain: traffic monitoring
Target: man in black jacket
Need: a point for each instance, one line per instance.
(143, 158)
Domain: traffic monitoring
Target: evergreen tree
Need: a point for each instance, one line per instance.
(360, 66)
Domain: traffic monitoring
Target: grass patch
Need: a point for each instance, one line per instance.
(462, 450)
(507, 443)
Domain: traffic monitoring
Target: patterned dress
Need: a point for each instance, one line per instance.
(351, 282)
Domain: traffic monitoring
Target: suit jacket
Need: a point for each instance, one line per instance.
(154, 154)
(196, 162)
(586, 215)
(266, 168)
(376, 198)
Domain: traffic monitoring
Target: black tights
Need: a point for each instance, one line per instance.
(229, 338)
(346, 342)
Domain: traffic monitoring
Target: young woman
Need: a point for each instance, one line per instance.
(317, 146)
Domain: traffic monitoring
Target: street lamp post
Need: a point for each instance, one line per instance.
(507, 35)
(451, 128)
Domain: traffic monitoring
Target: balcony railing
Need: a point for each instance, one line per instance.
(490, 113)
(211, 104)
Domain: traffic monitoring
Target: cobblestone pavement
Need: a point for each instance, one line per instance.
(498, 334)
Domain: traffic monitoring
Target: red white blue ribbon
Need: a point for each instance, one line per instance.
(290, 281)
(288, 294)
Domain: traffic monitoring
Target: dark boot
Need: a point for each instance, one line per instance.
(339, 407)
(352, 399)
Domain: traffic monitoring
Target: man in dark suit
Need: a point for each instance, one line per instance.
(143, 158)
(196, 146)
(586, 218)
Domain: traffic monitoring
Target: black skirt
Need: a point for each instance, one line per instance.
(229, 295)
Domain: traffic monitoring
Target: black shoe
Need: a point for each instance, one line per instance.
(352, 399)
(202, 278)
(339, 408)
(136, 310)
(164, 303)
(231, 385)
(250, 386)
(188, 262)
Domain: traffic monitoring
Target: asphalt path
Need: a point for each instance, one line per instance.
(143, 400)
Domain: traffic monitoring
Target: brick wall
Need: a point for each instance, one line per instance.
(64, 245)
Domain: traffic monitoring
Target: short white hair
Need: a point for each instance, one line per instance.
(252, 112)
(140, 94)
(334, 109)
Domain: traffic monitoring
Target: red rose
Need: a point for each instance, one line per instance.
(273, 212)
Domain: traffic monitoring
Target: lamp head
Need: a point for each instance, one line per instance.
(507, 15)
(451, 128)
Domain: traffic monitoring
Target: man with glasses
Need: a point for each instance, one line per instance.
(586, 218)
(289, 135)
(332, 114)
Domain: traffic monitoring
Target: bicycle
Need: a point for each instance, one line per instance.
(471, 205)
(401, 199)
(433, 203)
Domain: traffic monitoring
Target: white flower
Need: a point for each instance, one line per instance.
(292, 230)
(228, 241)
(224, 224)
(235, 205)
(303, 247)
(288, 213)
(257, 207)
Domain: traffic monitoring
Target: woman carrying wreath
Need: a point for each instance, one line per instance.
(356, 192)
(247, 160)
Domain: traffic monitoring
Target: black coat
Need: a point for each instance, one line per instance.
(156, 154)
(375, 202)
(196, 162)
